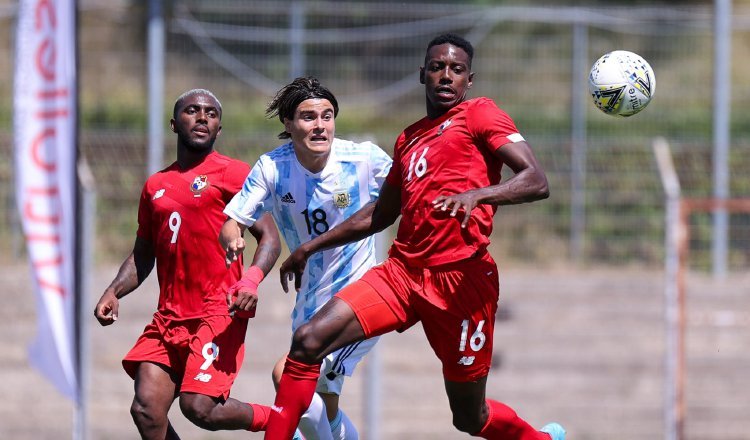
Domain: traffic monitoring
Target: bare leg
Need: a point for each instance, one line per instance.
(332, 404)
(474, 414)
(278, 368)
(212, 414)
(154, 393)
(171, 433)
(467, 402)
(332, 327)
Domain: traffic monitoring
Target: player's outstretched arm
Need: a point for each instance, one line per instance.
(528, 184)
(136, 267)
(231, 240)
(370, 219)
(243, 295)
(269, 244)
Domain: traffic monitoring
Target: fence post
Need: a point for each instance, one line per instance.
(297, 62)
(156, 55)
(578, 141)
(673, 316)
(372, 368)
(722, 105)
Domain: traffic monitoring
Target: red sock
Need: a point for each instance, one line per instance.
(296, 388)
(261, 413)
(504, 424)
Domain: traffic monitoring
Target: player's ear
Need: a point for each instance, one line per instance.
(287, 125)
(218, 132)
(421, 75)
(172, 125)
(471, 80)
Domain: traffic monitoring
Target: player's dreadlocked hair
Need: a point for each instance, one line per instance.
(455, 40)
(291, 95)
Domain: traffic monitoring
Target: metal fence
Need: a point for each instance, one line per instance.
(606, 205)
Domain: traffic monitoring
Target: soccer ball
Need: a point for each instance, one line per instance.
(621, 83)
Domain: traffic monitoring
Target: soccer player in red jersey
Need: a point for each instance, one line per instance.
(179, 217)
(445, 184)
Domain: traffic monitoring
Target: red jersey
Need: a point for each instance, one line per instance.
(448, 155)
(181, 213)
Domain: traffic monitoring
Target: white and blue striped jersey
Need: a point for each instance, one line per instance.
(306, 204)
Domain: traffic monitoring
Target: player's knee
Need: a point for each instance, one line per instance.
(306, 346)
(199, 410)
(145, 416)
(138, 412)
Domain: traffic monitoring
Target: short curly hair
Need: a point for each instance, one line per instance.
(192, 92)
(453, 39)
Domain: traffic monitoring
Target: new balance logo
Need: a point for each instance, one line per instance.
(466, 360)
(287, 198)
(278, 409)
(203, 377)
(158, 194)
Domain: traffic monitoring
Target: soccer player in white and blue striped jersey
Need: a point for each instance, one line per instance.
(309, 185)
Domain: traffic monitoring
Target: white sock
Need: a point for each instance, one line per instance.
(314, 422)
(342, 428)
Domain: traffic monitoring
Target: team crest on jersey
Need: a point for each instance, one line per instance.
(443, 126)
(199, 184)
(341, 199)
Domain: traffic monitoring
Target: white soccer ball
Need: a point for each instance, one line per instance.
(621, 83)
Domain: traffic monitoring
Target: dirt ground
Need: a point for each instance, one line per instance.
(582, 347)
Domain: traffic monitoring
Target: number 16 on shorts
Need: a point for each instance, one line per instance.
(476, 341)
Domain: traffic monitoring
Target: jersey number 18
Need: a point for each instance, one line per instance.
(316, 221)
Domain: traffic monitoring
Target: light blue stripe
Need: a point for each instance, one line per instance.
(315, 264)
(285, 212)
(349, 170)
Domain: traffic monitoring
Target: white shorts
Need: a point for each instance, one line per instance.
(341, 363)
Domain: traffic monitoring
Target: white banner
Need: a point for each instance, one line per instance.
(45, 106)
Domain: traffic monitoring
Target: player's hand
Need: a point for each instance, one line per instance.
(234, 249)
(242, 299)
(107, 308)
(465, 202)
(293, 266)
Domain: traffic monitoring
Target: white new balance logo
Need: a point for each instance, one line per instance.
(203, 377)
(466, 360)
(287, 198)
(278, 409)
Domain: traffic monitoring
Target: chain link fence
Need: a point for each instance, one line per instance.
(369, 55)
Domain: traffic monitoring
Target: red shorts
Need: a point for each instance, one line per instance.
(455, 302)
(205, 353)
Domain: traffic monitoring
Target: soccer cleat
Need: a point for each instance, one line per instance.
(555, 431)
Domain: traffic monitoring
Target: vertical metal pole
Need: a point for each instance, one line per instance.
(297, 60)
(682, 234)
(671, 312)
(81, 251)
(722, 109)
(87, 238)
(578, 141)
(18, 241)
(673, 293)
(156, 52)
(372, 373)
